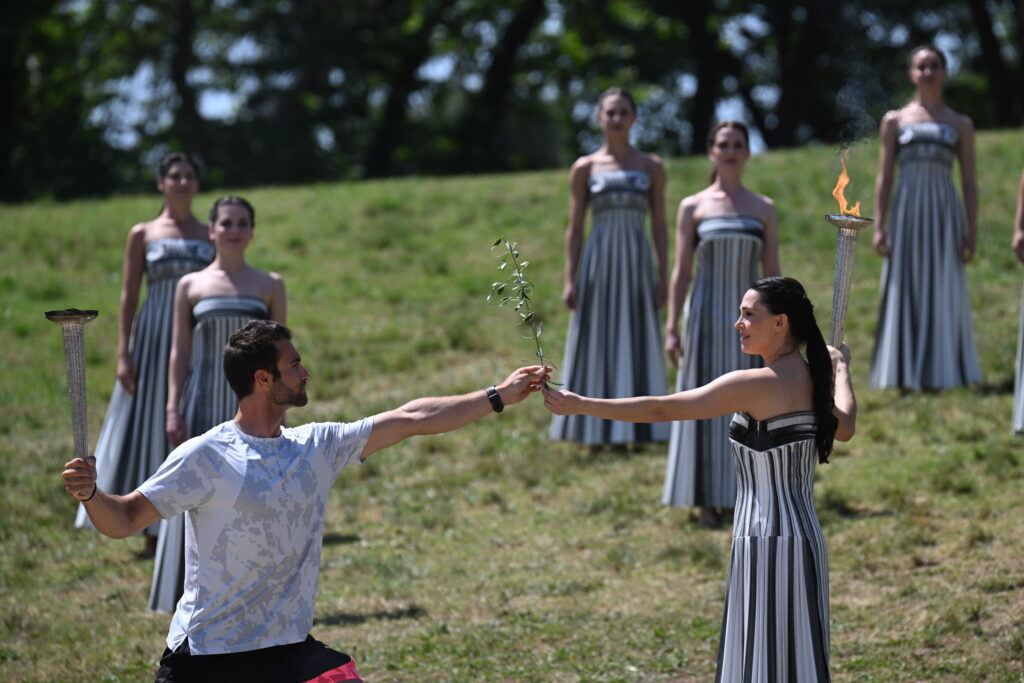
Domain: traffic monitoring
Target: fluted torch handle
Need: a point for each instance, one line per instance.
(72, 322)
(846, 249)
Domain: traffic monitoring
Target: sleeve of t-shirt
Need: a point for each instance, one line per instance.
(349, 438)
(184, 481)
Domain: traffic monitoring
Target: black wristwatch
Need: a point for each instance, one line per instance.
(495, 398)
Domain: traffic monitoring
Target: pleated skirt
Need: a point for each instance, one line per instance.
(925, 338)
(208, 401)
(1018, 386)
(614, 345)
(700, 469)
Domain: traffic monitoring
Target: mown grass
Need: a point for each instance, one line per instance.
(492, 553)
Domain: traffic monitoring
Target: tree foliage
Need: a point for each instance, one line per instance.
(290, 91)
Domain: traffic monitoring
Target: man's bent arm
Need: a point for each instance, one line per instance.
(438, 414)
(114, 516)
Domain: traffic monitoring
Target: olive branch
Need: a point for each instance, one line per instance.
(515, 291)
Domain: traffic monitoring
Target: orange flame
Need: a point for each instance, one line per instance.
(837, 192)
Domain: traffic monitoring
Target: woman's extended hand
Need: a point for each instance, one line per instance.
(561, 402)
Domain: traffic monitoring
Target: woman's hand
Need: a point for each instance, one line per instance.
(660, 294)
(840, 355)
(1018, 245)
(177, 430)
(561, 402)
(881, 243)
(969, 245)
(126, 374)
(673, 347)
(569, 295)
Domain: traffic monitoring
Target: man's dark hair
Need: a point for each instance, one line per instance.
(252, 348)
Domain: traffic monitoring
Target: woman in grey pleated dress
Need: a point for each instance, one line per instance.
(925, 338)
(775, 625)
(613, 348)
(1018, 249)
(132, 441)
(209, 306)
(732, 233)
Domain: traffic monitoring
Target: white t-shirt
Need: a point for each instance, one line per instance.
(253, 530)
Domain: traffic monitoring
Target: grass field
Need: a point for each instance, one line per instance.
(492, 553)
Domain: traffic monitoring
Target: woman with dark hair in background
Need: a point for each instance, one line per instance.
(925, 339)
(209, 306)
(787, 414)
(132, 441)
(1018, 250)
(732, 233)
(615, 289)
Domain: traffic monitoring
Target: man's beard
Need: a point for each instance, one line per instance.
(283, 396)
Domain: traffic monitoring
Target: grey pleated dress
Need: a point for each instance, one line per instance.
(1018, 388)
(700, 470)
(776, 621)
(207, 401)
(614, 345)
(133, 441)
(925, 339)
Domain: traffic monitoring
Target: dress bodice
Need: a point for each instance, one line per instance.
(229, 306)
(775, 460)
(169, 257)
(726, 227)
(619, 189)
(927, 141)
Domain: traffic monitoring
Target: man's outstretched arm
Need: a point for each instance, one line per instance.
(438, 414)
(114, 516)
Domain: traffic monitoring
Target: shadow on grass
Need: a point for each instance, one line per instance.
(340, 539)
(999, 388)
(347, 619)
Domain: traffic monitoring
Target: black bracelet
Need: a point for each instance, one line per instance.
(495, 398)
(91, 495)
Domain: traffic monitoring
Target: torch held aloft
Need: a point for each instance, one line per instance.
(846, 248)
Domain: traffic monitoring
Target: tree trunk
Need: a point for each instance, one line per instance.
(187, 124)
(995, 66)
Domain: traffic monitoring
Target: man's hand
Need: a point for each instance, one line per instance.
(522, 382)
(80, 477)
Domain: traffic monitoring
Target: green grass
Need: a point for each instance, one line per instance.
(492, 553)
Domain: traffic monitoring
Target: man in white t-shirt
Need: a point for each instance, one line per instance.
(254, 493)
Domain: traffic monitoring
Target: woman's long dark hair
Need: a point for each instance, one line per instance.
(786, 295)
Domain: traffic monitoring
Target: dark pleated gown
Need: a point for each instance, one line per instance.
(776, 621)
(207, 401)
(133, 440)
(700, 470)
(614, 345)
(924, 338)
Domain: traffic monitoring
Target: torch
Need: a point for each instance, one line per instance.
(849, 222)
(72, 322)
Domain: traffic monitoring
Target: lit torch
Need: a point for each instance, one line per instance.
(849, 223)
